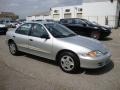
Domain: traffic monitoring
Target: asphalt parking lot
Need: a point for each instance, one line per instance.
(27, 72)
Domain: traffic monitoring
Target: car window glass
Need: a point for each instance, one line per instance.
(70, 21)
(59, 31)
(80, 22)
(64, 21)
(38, 30)
(7, 21)
(1, 22)
(24, 29)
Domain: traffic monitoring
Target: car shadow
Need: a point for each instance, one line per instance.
(2, 34)
(106, 39)
(100, 71)
(40, 59)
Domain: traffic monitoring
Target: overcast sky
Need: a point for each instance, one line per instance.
(29, 7)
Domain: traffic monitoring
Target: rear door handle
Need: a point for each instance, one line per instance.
(30, 39)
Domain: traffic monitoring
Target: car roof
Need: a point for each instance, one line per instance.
(39, 22)
(69, 18)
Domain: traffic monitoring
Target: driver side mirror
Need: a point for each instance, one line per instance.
(46, 36)
(84, 25)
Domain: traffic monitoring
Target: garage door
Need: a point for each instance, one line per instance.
(67, 15)
(56, 16)
(79, 15)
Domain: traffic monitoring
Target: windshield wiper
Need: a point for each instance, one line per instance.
(59, 36)
(71, 34)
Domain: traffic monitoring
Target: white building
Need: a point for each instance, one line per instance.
(104, 12)
(58, 13)
(41, 16)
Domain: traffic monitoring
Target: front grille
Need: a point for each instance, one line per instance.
(100, 63)
(105, 53)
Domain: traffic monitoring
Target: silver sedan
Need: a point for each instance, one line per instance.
(56, 42)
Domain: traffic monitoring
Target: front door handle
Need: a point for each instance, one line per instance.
(30, 39)
(14, 36)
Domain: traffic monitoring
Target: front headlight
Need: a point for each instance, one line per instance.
(104, 28)
(96, 28)
(93, 54)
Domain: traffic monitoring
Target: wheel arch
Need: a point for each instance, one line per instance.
(10, 40)
(64, 50)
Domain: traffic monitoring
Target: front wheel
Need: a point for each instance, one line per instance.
(69, 62)
(13, 48)
(95, 35)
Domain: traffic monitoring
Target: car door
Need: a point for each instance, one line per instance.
(74, 26)
(80, 27)
(21, 36)
(37, 45)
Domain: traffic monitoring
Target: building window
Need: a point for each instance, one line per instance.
(55, 11)
(67, 10)
(80, 9)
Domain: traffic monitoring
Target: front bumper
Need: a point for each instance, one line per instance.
(93, 63)
(106, 33)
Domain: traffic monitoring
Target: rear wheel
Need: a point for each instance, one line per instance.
(95, 35)
(69, 62)
(13, 48)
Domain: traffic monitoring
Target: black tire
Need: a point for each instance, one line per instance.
(74, 58)
(95, 35)
(15, 52)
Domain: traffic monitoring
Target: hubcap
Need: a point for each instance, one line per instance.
(12, 48)
(67, 63)
(95, 35)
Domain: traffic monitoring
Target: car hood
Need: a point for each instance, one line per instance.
(99, 27)
(85, 42)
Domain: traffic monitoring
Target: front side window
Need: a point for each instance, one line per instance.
(87, 22)
(24, 29)
(38, 31)
(80, 22)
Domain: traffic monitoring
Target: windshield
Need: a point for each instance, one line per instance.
(59, 31)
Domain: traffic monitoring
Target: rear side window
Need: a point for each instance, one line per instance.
(63, 21)
(24, 29)
(70, 21)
